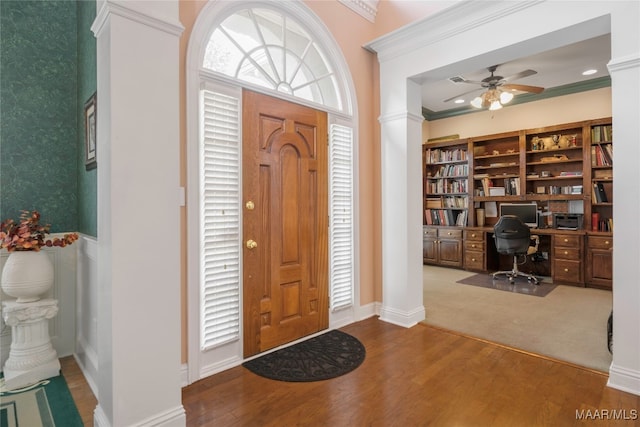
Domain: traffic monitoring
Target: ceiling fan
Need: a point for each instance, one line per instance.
(495, 95)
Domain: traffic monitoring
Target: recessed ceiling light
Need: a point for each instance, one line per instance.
(459, 101)
(589, 72)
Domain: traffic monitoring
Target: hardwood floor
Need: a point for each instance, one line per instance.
(415, 377)
(82, 395)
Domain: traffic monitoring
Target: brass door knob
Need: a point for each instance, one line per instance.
(252, 244)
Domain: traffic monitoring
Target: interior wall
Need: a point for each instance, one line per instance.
(86, 77)
(576, 107)
(38, 128)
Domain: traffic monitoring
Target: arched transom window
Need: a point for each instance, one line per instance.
(268, 48)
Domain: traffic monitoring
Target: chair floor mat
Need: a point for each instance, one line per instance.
(521, 285)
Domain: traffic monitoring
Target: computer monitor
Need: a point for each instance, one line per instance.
(527, 212)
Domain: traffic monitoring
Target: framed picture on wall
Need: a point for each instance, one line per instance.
(90, 125)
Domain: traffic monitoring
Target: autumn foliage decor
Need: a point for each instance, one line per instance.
(29, 235)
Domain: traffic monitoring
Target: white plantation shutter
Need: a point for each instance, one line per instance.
(220, 219)
(341, 223)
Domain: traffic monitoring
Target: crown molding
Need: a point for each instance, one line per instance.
(629, 61)
(456, 19)
(553, 92)
(112, 8)
(365, 8)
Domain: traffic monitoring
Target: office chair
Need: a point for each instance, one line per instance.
(513, 237)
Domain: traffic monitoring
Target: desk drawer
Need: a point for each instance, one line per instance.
(473, 245)
(474, 235)
(448, 233)
(599, 242)
(429, 232)
(566, 240)
(474, 260)
(567, 271)
(567, 253)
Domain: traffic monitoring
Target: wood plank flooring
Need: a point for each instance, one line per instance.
(82, 395)
(412, 377)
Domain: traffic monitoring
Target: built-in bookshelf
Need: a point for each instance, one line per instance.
(564, 168)
(496, 167)
(554, 158)
(601, 155)
(445, 187)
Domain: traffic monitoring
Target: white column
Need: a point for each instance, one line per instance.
(401, 132)
(138, 156)
(624, 373)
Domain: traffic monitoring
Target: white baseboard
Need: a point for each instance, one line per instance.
(184, 375)
(369, 310)
(173, 418)
(624, 379)
(88, 373)
(406, 319)
(220, 366)
(99, 417)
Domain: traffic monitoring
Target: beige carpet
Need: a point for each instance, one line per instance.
(569, 324)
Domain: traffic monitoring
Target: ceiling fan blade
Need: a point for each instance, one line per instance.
(462, 94)
(520, 75)
(523, 88)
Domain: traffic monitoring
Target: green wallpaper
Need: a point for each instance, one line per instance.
(87, 180)
(42, 88)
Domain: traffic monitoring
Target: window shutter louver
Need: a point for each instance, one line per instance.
(341, 225)
(220, 219)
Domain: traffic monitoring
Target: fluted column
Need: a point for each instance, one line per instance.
(32, 357)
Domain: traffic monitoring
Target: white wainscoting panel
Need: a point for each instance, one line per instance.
(87, 310)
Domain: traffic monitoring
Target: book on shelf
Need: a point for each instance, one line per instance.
(602, 133)
(604, 224)
(433, 202)
(595, 221)
(486, 185)
(437, 155)
(599, 194)
(445, 217)
(461, 220)
(601, 156)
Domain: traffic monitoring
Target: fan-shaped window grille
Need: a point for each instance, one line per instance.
(269, 48)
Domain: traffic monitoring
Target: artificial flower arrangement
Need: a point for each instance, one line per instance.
(29, 234)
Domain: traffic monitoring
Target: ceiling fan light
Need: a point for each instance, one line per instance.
(495, 105)
(506, 97)
(476, 102)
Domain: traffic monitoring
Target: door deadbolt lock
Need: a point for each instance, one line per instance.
(252, 244)
(250, 205)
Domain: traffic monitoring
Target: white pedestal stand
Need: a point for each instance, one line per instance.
(32, 357)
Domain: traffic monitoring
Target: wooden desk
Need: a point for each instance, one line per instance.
(574, 257)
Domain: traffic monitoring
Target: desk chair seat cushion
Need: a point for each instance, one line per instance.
(511, 235)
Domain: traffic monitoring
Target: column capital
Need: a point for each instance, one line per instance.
(16, 312)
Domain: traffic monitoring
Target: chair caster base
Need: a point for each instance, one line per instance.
(512, 275)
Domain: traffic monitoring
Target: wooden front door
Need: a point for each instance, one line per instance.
(285, 222)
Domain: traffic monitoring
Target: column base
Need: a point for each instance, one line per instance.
(14, 379)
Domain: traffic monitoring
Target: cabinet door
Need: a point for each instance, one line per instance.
(599, 267)
(450, 252)
(429, 251)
